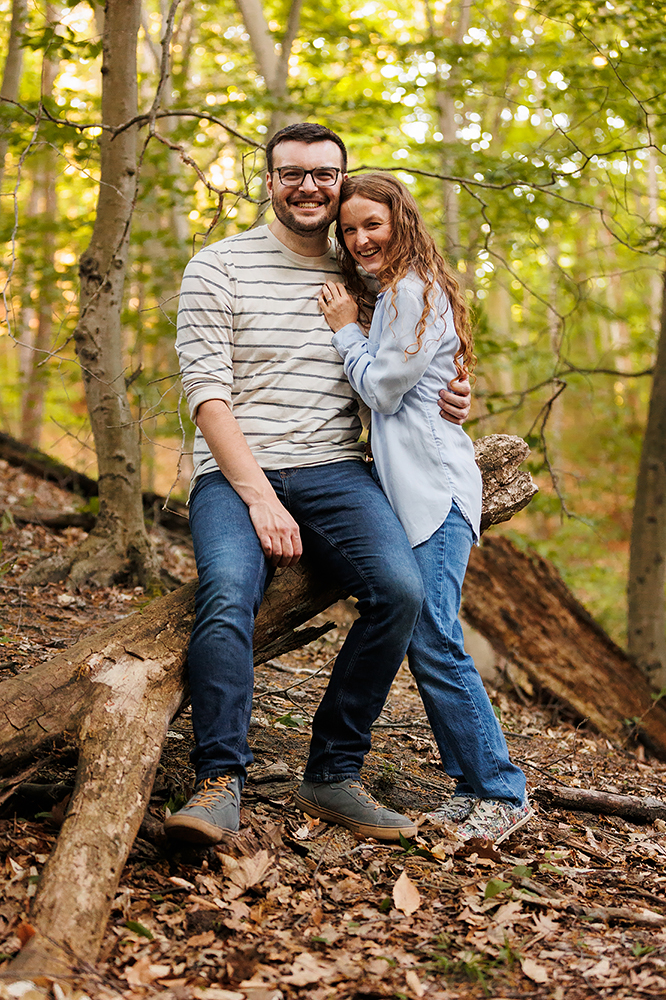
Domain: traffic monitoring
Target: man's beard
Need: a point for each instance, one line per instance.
(304, 228)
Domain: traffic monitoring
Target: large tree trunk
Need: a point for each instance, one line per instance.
(646, 590)
(117, 694)
(521, 605)
(118, 546)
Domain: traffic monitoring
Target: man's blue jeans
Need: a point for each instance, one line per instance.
(351, 533)
(468, 735)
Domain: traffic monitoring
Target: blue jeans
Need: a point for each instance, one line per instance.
(351, 533)
(470, 741)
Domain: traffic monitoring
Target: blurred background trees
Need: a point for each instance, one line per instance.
(533, 138)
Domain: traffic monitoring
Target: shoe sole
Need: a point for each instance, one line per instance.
(513, 829)
(195, 831)
(362, 829)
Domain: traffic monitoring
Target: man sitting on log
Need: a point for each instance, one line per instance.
(278, 465)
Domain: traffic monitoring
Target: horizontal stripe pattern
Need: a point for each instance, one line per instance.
(250, 333)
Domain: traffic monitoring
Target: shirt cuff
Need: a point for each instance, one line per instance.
(346, 337)
(198, 396)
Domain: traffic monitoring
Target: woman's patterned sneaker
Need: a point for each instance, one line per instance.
(494, 820)
(454, 810)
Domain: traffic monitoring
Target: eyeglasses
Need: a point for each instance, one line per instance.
(294, 176)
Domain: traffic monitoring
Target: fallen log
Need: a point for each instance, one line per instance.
(117, 694)
(39, 463)
(645, 808)
(521, 605)
(548, 897)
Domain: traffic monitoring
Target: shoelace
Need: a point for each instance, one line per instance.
(212, 788)
(371, 801)
(483, 812)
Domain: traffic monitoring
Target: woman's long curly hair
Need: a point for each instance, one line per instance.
(411, 248)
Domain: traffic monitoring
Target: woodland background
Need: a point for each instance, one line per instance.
(532, 135)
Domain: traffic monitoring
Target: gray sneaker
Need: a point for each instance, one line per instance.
(212, 812)
(348, 804)
(456, 809)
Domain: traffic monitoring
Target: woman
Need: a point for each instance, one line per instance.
(420, 338)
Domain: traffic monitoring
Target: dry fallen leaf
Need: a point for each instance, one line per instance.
(307, 969)
(144, 972)
(406, 896)
(414, 983)
(247, 871)
(537, 973)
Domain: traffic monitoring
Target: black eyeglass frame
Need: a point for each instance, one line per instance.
(338, 170)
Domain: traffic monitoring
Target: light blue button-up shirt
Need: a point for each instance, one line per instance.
(423, 461)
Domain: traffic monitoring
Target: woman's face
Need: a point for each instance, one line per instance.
(366, 229)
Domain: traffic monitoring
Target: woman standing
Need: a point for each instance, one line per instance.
(419, 339)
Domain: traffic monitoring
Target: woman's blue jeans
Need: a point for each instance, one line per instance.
(470, 741)
(351, 533)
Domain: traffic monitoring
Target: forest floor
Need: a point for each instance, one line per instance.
(574, 905)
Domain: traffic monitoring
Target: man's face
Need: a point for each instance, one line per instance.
(308, 208)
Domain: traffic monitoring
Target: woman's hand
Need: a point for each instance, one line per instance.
(337, 306)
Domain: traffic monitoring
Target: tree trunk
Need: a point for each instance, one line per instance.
(117, 694)
(646, 590)
(11, 77)
(520, 604)
(273, 65)
(444, 96)
(118, 547)
(36, 371)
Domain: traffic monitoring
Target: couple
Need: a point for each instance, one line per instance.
(278, 465)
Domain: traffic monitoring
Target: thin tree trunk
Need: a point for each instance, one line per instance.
(11, 77)
(118, 547)
(273, 65)
(37, 371)
(444, 97)
(646, 590)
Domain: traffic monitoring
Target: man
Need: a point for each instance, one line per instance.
(278, 464)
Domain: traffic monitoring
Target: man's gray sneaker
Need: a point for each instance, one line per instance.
(212, 812)
(348, 804)
(494, 820)
(454, 810)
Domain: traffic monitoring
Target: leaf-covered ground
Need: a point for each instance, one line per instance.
(572, 907)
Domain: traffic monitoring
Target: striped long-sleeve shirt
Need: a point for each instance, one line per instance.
(250, 333)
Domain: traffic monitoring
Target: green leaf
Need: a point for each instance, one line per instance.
(547, 867)
(494, 887)
(385, 905)
(522, 871)
(291, 721)
(134, 925)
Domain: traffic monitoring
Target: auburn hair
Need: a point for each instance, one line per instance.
(411, 248)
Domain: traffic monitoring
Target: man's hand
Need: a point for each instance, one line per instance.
(277, 531)
(337, 306)
(455, 403)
